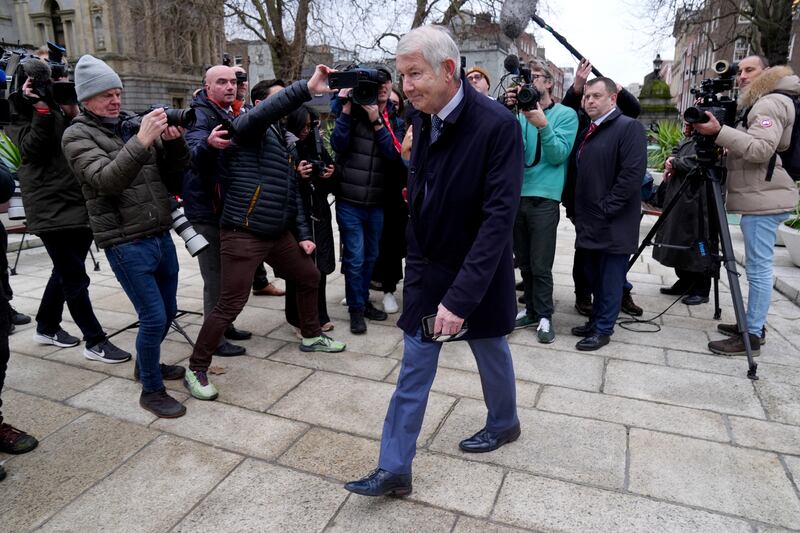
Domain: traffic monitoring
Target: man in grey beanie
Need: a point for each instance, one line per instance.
(126, 173)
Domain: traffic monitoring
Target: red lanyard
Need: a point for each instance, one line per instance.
(386, 121)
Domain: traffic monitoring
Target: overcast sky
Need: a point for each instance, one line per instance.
(610, 33)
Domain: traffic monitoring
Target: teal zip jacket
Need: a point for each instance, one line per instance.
(546, 178)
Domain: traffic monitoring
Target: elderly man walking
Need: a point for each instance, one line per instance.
(464, 183)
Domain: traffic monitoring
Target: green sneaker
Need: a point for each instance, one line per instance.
(525, 321)
(545, 332)
(323, 343)
(199, 386)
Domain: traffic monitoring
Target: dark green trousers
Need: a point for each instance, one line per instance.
(535, 248)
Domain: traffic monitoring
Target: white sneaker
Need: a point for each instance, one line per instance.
(521, 314)
(390, 303)
(344, 301)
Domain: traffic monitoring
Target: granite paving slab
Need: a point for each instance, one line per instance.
(553, 367)
(333, 455)
(733, 366)
(781, 401)
(742, 482)
(467, 524)
(551, 505)
(765, 435)
(251, 382)
(562, 446)
(258, 496)
(40, 483)
(635, 413)
(351, 363)
(36, 416)
(352, 405)
(48, 378)
(390, 515)
(233, 428)
(163, 481)
(381, 339)
(688, 388)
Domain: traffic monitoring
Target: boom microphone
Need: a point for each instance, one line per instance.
(511, 64)
(37, 71)
(515, 16)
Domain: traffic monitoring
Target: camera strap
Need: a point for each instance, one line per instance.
(388, 123)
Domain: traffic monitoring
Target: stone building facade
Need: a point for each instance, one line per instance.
(160, 48)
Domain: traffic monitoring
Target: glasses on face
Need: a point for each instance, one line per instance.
(537, 76)
(475, 77)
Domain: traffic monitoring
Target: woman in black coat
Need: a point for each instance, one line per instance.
(316, 178)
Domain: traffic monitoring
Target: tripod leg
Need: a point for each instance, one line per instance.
(729, 261)
(660, 222)
(96, 264)
(177, 327)
(717, 309)
(13, 270)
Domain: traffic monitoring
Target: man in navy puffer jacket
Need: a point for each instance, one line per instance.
(262, 220)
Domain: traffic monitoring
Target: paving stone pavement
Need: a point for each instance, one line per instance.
(651, 433)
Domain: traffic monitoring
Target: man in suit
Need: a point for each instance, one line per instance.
(610, 158)
(464, 183)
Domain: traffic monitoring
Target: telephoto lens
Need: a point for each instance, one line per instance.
(194, 242)
(16, 211)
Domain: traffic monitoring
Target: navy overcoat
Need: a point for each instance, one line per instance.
(459, 232)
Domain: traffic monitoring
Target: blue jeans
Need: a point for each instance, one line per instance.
(360, 231)
(147, 269)
(407, 407)
(759, 248)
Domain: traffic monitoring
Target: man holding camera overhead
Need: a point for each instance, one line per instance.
(262, 220)
(125, 172)
(367, 142)
(56, 211)
(758, 186)
(548, 132)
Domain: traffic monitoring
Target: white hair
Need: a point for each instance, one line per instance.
(434, 42)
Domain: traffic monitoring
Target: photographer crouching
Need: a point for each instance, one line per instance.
(56, 210)
(124, 173)
(758, 186)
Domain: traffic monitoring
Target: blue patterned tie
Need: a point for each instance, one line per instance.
(436, 127)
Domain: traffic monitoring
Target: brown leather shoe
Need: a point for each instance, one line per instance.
(735, 346)
(269, 290)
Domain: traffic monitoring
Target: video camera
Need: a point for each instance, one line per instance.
(19, 66)
(527, 95)
(723, 108)
(365, 83)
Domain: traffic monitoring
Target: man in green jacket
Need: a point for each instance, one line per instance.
(56, 212)
(548, 133)
(125, 169)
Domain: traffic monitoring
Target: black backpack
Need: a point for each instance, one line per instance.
(790, 158)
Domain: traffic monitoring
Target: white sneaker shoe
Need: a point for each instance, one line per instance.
(344, 301)
(521, 314)
(390, 303)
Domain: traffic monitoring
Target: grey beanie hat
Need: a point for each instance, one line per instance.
(93, 76)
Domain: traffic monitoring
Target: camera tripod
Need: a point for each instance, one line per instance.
(710, 172)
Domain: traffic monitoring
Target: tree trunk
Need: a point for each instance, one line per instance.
(774, 22)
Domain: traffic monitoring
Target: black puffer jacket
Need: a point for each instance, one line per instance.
(368, 158)
(50, 192)
(258, 174)
(125, 184)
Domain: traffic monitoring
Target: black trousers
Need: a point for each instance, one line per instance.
(697, 283)
(68, 284)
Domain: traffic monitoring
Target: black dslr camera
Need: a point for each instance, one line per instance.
(184, 118)
(317, 167)
(723, 108)
(365, 83)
